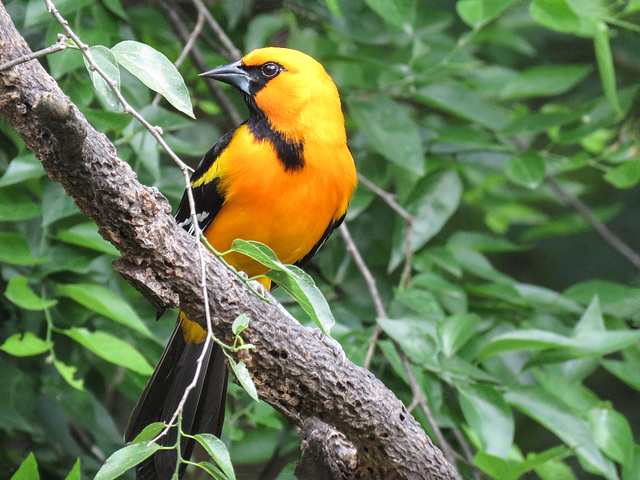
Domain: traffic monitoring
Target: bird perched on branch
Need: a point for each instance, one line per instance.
(284, 178)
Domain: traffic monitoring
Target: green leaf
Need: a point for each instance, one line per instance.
(243, 376)
(538, 122)
(19, 293)
(591, 321)
(625, 175)
(390, 129)
(36, 11)
(28, 469)
(612, 434)
(493, 466)
(212, 470)
(499, 291)
(56, 204)
(489, 417)
(103, 301)
(149, 432)
(564, 225)
(476, 13)
(104, 58)
(620, 301)
(239, 324)
(558, 418)
(627, 371)
(399, 13)
(599, 344)
(631, 6)
(68, 372)
(535, 460)
(411, 335)
(124, 459)
(604, 57)
(111, 349)
(452, 297)
(555, 469)
(262, 28)
(526, 169)
(545, 81)
(459, 100)
(431, 202)
(116, 7)
(74, 474)
(477, 264)
(21, 168)
(16, 205)
(218, 451)
(86, 235)
(482, 242)
(500, 218)
(555, 14)
(455, 331)
(303, 289)
(25, 345)
(562, 348)
(15, 250)
(534, 295)
(523, 340)
(156, 71)
(293, 280)
(334, 8)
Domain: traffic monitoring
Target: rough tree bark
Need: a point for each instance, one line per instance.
(293, 371)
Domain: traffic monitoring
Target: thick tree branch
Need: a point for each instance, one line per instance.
(292, 370)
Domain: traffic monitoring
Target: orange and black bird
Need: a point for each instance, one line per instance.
(284, 178)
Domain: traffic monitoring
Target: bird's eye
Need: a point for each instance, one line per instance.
(270, 69)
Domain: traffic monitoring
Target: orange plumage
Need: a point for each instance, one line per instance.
(284, 178)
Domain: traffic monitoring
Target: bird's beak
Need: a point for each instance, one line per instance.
(232, 74)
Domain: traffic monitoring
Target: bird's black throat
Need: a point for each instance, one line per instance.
(291, 154)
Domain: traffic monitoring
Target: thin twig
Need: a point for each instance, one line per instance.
(56, 47)
(373, 290)
(607, 235)
(232, 52)
(390, 200)
(418, 397)
(366, 273)
(468, 454)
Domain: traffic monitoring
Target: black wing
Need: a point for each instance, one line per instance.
(327, 233)
(207, 197)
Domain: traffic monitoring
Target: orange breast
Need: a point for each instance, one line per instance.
(288, 211)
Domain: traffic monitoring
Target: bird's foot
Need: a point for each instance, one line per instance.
(332, 343)
(257, 287)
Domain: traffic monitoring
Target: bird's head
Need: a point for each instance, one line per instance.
(291, 89)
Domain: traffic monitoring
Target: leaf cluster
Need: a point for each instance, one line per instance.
(501, 136)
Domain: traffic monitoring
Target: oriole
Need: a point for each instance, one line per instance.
(284, 178)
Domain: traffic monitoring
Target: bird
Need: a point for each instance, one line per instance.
(284, 178)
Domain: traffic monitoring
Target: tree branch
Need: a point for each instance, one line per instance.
(161, 260)
(601, 229)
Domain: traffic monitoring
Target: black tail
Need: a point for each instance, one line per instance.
(203, 411)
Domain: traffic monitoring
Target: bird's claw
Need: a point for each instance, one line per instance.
(258, 287)
(332, 343)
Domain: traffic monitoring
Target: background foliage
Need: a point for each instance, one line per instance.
(486, 120)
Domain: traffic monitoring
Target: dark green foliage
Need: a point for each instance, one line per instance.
(485, 119)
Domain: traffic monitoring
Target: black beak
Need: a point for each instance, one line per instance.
(233, 74)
